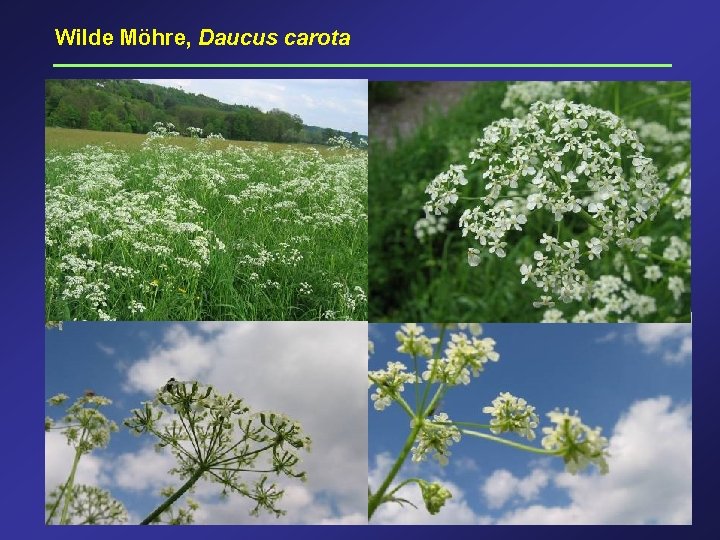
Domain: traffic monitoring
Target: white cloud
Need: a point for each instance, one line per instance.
(674, 340)
(501, 486)
(650, 479)
(58, 462)
(145, 469)
(607, 338)
(106, 349)
(314, 372)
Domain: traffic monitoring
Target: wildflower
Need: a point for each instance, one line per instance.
(653, 273)
(390, 383)
(434, 495)
(579, 445)
(413, 341)
(676, 286)
(464, 357)
(436, 437)
(561, 157)
(512, 414)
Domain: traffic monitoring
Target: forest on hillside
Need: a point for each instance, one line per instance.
(133, 107)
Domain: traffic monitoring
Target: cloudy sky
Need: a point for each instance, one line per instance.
(632, 380)
(335, 103)
(314, 372)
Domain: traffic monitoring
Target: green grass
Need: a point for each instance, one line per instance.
(432, 281)
(190, 230)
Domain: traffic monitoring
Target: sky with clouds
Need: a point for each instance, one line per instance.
(332, 103)
(633, 380)
(314, 372)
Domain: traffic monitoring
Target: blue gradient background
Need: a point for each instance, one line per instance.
(682, 33)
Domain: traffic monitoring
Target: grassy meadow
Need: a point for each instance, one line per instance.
(179, 228)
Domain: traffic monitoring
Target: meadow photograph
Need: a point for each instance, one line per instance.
(531, 201)
(209, 423)
(206, 200)
(530, 424)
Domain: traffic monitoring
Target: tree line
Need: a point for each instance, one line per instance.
(133, 107)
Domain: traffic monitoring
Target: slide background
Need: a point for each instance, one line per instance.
(521, 31)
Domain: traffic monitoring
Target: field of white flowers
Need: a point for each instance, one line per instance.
(200, 233)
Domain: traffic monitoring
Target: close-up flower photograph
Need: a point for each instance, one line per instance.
(205, 423)
(530, 201)
(530, 424)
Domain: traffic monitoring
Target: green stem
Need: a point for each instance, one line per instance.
(60, 496)
(469, 424)
(174, 497)
(374, 500)
(68, 490)
(519, 446)
(436, 356)
(680, 264)
(590, 220)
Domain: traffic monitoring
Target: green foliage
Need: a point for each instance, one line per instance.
(432, 280)
(169, 233)
(132, 106)
(397, 180)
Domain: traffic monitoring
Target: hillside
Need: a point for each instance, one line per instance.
(133, 107)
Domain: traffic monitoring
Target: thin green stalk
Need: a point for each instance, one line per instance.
(519, 446)
(374, 500)
(417, 384)
(174, 497)
(679, 264)
(469, 424)
(69, 487)
(436, 356)
(55, 506)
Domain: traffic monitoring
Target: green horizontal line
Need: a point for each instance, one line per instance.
(362, 65)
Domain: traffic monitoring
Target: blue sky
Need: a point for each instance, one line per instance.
(632, 380)
(335, 103)
(314, 372)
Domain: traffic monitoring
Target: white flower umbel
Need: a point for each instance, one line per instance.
(579, 445)
(512, 414)
(413, 341)
(435, 437)
(464, 356)
(432, 433)
(563, 159)
(390, 383)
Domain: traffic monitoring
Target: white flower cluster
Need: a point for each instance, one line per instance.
(118, 220)
(414, 342)
(429, 226)
(520, 95)
(680, 173)
(464, 356)
(658, 138)
(389, 383)
(579, 445)
(435, 436)
(562, 158)
(340, 141)
(512, 414)
(160, 130)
